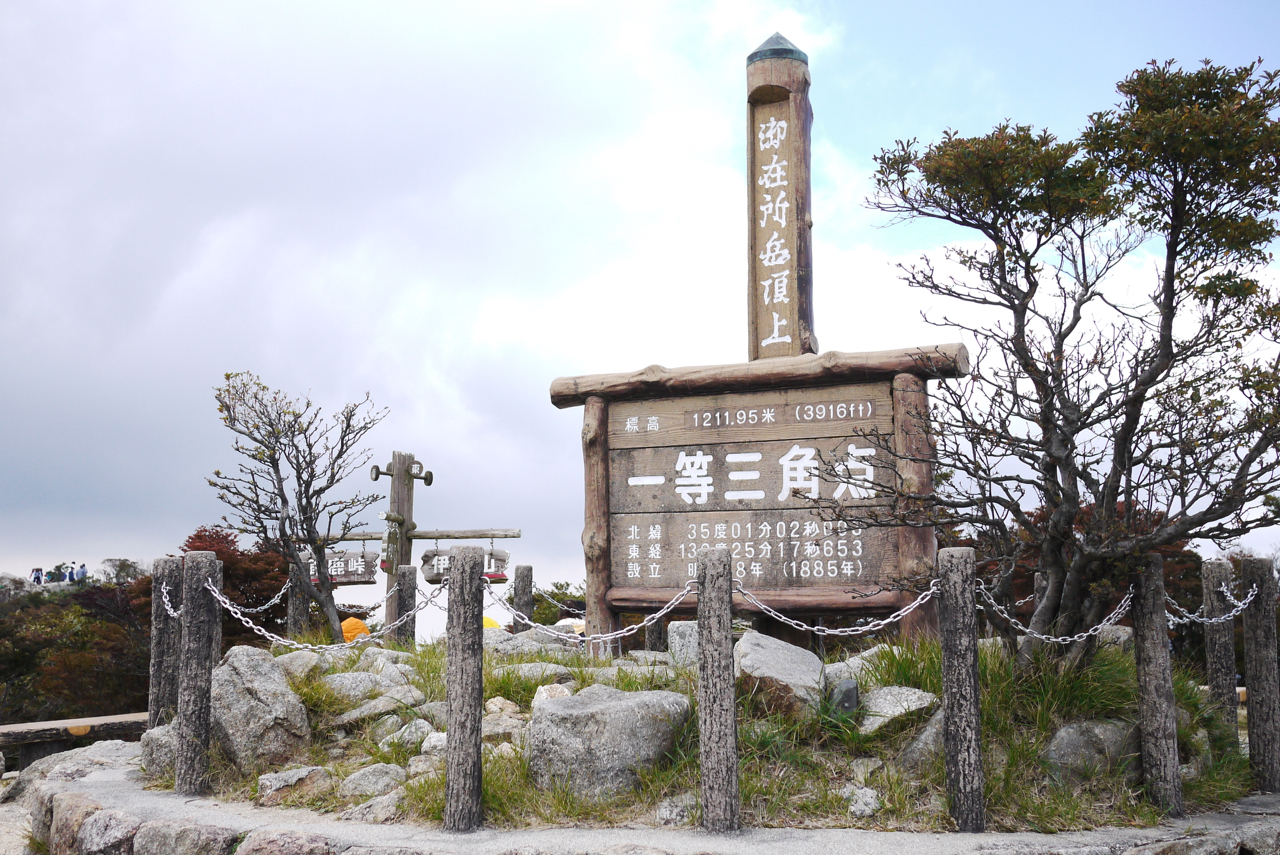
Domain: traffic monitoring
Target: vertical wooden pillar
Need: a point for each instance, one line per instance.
(297, 606)
(1220, 641)
(166, 639)
(522, 594)
(464, 689)
(917, 547)
(717, 703)
(779, 217)
(1261, 675)
(406, 599)
(595, 533)
(961, 710)
(655, 636)
(1157, 714)
(201, 630)
(401, 502)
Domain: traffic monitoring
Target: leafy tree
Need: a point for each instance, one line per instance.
(250, 578)
(1104, 419)
(294, 458)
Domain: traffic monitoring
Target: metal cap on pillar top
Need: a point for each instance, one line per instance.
(777, 46)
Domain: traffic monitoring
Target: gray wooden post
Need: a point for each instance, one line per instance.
(961, 710)
(200, 618)
(1261, 677)
(166, 637)
(1220, 642)
(406, 600)
(522, 594)
(1157, 713)
(717, 704)
(464, 689)
(655, 636)
(297, 608)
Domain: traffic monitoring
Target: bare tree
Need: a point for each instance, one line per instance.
(294, 457)
(1100, 422)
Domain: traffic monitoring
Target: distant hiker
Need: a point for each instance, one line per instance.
(37, 576)
(81, 574)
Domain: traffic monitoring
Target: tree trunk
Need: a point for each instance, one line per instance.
(1220, 642)
(961, 713)
(1157, 713)
(464, 689)
(166, 641)
(200, 618)
(717, 702)
(522, 594)
(1261, 675)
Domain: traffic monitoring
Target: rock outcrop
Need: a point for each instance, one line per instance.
(789, 677)
(257, 718)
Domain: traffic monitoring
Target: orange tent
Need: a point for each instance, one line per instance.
(352, 628)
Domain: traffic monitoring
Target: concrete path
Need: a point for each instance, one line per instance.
(1255, 821)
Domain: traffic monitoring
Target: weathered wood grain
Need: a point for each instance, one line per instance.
(961, 710)
(522, 592)
(717, 701)
(464, 689)
(166, 638)
(406, 599)
(1220, 640)
(917, 545)
(96, 727)
(201, 624)
(401, 502)
(826, 369)
(1157, 712)
(595, 532)
(1261, 675)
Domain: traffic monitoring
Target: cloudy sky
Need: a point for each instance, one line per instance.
(447, 206)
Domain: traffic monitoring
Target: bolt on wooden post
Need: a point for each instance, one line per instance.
(166, 638)
(200, 619)
(1220, 640)
(1260, 673)
(1157, 713)
(464, 689)
(961, 709)
(717, 702)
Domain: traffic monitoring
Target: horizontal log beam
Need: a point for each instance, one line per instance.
(813, 369)
(100, 727)
(795, 601)
(416, 534)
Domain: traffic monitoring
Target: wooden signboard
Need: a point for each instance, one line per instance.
(350, 568)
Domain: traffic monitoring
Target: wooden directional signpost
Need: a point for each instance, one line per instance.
(729, 455)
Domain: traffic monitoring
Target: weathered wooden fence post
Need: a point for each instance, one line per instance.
(464, 689)
(201, 630)
(166, 639)
(655, 636)
(717, 701)
(522, 594)
(1157, 713)
(406, 600)
(961, 709)
(1260, 674)
(1220, 641)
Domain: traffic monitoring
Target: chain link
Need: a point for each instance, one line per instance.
(874, 626)
(561, 606)
(351, 608)
(598, 638)
(297, 645)
(274, 600)
(1109, 620)
(1182, 616)
(168, 607)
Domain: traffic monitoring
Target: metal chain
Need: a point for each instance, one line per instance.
(1109, 620)
(297, 645)
(1182, 616)
(274, 600)
(350, 608)
(874, 626)
(561, 606)
(598, 638)
(168, 607)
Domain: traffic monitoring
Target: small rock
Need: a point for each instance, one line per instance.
(107, 832)
(883, 705)
(275, 787)
(552, 671)
(300, 664)
(380, 809)
(405, 695)
(649, 657)
(410, 736)
(392, 674)
(355, 686)
(1117, 636)
(384, 727)
(426, 764)
(844, 696)
(863, 801)
(164, 837)
(435, 743)
(159, 750)
(790, 677)
(916, 759)
(682, 642)
(499, 705)
(554, 690)
(863, 768)
(505, 749)
(392, 701)
(504, 643)
(277, 841)
(855, 667)
(502, 728)
(436, 712)
(69, 812)
(339, 659)
(677, 810)
(1081, 749)
(372, 780)
(374, 659)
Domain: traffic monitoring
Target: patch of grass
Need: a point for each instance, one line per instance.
(428, 664)
(323, 704)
